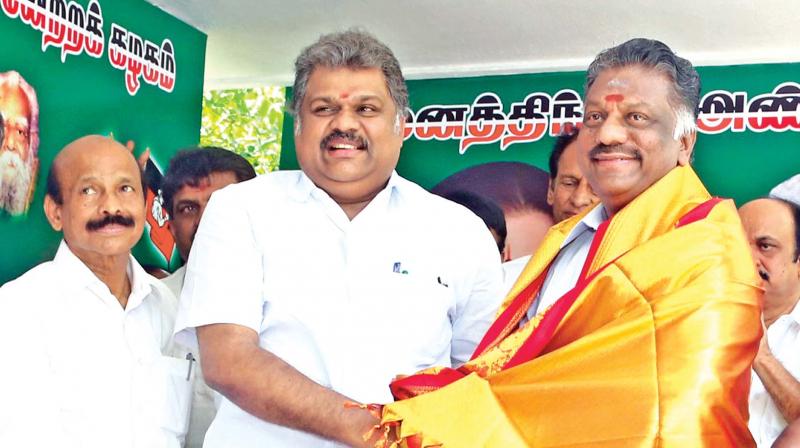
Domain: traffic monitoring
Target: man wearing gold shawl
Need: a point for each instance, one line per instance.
(648, 303)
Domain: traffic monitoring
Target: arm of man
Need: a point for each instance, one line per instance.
(222, 305)
(781, 386)
(264, 385)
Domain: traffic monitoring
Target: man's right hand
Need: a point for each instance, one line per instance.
(267, 387)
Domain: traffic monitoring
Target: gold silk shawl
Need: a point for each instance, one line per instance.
(655, 351)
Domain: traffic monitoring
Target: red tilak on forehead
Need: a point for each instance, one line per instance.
(614, 98)
(344, 95)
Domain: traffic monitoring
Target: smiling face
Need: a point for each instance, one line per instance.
(627, 141)
(349, 139)
(769, 226)
(103, 210)
(569, 193)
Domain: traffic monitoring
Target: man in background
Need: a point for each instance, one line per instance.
(85, 336)
(773, 229)
(19, 161)
(568, 193)
(193, 175)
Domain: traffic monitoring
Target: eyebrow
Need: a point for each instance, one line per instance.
(93, 178)
(186, 202)
(766, 239)
(330, 99)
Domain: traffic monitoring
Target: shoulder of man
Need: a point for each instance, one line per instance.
(454, 216)
(262, 189)
(26, 289)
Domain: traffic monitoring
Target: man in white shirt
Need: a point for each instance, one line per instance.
(82, 336)
(772, 227)
(193, 175)
(311, 288)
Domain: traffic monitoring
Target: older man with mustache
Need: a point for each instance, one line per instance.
(311, 289)
(648, 315)
(84, 337)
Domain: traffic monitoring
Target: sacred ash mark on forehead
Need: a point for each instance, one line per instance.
(616, 82)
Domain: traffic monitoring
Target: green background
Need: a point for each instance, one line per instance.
(742, 165)
(85, 95)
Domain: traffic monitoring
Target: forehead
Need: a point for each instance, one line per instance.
(207, 185)
(568, 162)
(341, 83)
(13, 101)
(630, 84)
(767, 217)
(102, 162)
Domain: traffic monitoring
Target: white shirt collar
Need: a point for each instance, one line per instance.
(592, 221)
(82, 277)
(795, 313)
(306, 189)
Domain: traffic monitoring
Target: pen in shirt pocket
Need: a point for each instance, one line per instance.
(190, 358)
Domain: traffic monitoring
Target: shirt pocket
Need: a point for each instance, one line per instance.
(171, 397)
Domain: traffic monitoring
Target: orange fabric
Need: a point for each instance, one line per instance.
(655, 351)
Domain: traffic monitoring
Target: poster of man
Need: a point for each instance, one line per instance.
(19, 133)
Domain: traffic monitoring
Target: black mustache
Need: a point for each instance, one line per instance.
(360, 142)
(108, 220)
(618, 149)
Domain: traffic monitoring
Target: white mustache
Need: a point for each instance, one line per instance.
(14, 182)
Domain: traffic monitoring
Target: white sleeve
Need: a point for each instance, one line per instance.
(480, 292)
(224, 275)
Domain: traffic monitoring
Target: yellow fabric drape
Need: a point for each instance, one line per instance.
(656, 350)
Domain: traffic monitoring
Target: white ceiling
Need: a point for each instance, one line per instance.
(254, 42)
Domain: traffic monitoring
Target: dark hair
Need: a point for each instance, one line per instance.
(658, 56)
(514, 186)
(53, 187)
(355, 49)
(192, 165)
(794, 210)
(488, 211)
(562, 141)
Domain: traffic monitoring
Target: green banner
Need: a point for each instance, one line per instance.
(749, 126)
(91, 67)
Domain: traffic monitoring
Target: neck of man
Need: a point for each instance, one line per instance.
(113, 272)
(777, 307)
(353, 207)
(353, 204)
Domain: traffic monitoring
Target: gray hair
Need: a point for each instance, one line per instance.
(354, 49)
(658, 56)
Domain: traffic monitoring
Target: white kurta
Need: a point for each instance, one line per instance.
(81, 371)
(412, 282)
